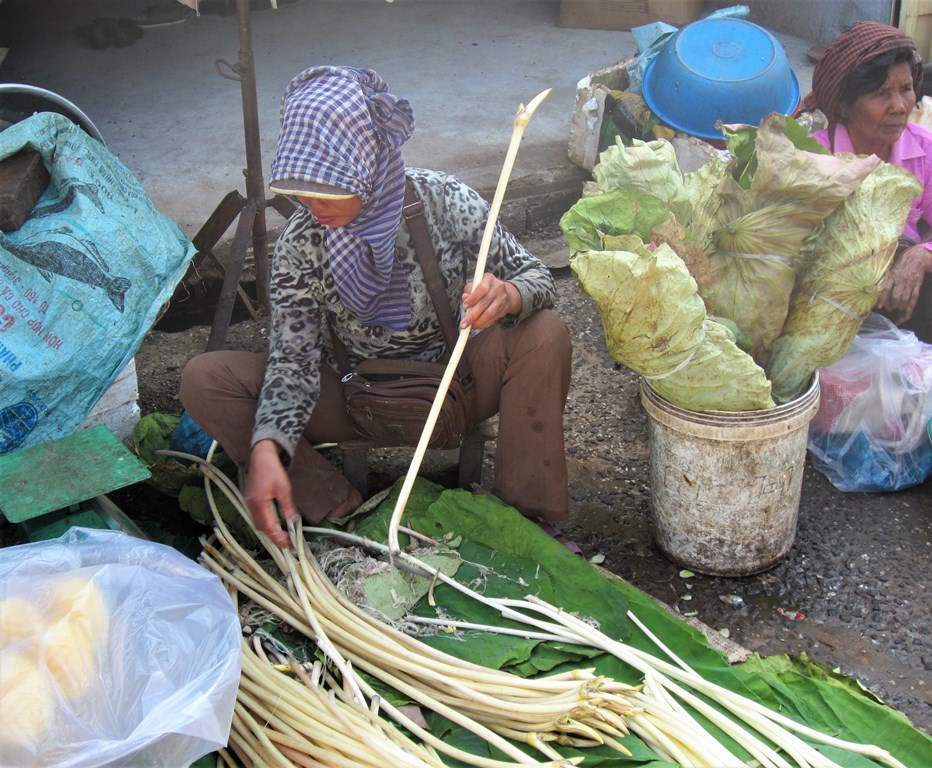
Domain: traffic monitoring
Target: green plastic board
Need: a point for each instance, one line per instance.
(55, 475)
(51, 526)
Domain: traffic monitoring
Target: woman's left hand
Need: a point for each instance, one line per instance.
(903, 281)
(489, 301)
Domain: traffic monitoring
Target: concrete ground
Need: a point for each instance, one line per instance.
(165, 111)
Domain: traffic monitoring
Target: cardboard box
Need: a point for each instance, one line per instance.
(586, 121)
(589, 111)
(625, 14)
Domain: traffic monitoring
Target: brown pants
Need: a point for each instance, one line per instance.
(522, 373)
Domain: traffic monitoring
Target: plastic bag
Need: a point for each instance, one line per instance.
(872, 431)
(116, 651)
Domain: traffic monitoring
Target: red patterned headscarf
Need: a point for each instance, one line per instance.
(863, 41)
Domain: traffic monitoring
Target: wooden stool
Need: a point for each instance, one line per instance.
(471, 453)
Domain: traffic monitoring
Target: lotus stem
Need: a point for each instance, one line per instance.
(520, 123)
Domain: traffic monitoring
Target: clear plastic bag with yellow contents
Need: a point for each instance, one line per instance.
(115, 650)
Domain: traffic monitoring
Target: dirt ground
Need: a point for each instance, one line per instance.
(852, 593)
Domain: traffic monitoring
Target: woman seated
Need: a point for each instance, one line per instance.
(345, 264)
(867, 85)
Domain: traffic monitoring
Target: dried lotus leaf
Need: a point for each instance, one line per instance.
(694, 257)
(771, 229)
(842, 272)
(719, 377)
(651, 314)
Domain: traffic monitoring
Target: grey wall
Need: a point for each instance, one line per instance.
(819, 21)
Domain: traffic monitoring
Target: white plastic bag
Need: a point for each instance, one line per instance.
(116, 652)
(872, 429)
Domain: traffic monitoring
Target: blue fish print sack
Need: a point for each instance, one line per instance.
(81, 281)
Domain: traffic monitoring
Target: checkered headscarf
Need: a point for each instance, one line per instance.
(863, 41)
(340, 126)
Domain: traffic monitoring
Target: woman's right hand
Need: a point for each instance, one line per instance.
(268, 492)
(903, 281)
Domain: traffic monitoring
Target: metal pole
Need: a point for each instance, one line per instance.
(224, 311)
(255, 185)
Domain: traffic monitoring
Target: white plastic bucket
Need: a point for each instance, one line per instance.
(725, 486)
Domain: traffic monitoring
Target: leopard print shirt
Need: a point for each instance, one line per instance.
(304, 299)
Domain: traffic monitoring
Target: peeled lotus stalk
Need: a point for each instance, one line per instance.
(522, 118)
(842, 275)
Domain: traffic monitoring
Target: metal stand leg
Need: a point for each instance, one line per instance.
(234, 269)
(250, 209)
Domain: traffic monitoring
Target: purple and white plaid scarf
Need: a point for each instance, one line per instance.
(340, 126)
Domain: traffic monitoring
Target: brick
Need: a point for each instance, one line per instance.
(23, 179)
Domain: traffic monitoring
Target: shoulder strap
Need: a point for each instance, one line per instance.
(413, 213)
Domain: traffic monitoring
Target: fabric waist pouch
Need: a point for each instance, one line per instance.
(389, 400)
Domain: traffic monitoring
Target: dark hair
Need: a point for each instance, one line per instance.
(927, 80)
(872, 75)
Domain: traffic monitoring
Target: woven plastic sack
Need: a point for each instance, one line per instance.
(871, 433)
(116, 652)
(81, 281)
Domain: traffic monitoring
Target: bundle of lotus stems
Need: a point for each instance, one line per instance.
(578, 708)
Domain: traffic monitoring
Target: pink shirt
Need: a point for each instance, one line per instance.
(912, 151)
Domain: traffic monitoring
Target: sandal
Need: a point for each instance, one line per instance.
(553, 532)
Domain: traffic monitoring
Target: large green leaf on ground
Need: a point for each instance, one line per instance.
(801, 689)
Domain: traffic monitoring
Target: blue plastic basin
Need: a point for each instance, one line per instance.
(719, 70)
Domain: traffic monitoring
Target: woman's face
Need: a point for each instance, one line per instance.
(876, 120)
(333, 213)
